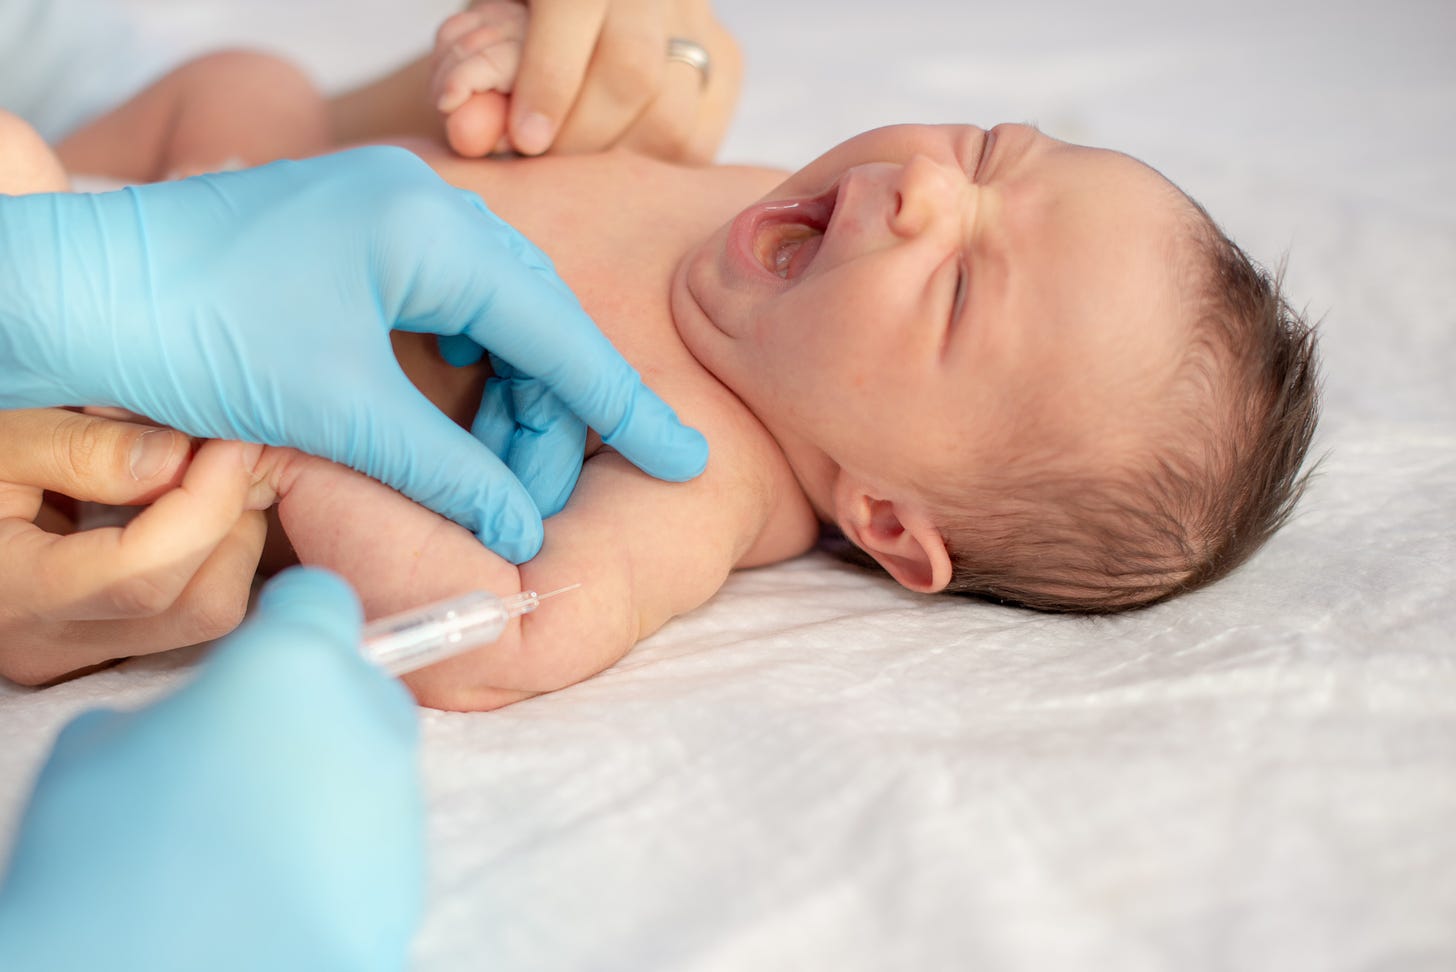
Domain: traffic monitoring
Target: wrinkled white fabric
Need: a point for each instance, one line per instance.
(820, 771)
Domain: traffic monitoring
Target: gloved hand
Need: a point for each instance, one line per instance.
(266, 816)
(256, 305)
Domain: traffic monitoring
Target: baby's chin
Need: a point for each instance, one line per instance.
(691, 308)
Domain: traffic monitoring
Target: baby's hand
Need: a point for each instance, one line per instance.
(473, 69)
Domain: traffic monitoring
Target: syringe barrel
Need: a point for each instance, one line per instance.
(413, 639)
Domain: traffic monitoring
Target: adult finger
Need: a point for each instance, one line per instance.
(302, 611)
(40, 650)
(559, 43)
(725, 81)
(685, 129)
(315, 603)
(534, 433)
(458, 350)
(666, 128)
(623, 78)
(546, 453)
(138, 570)
(528, 317)
(299, 651)
(544, 333)
(434, 462)
(87, 457)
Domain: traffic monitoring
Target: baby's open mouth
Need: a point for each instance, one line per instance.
(788, 235)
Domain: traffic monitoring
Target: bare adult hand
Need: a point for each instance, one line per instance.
(584, 75)
(178, 574)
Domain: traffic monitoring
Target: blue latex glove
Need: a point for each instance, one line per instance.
(266, 816)
(256, 305)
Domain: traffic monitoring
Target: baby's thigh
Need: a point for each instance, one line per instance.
(27, 163)
(226, 109)
(241, 108)
(395, 553)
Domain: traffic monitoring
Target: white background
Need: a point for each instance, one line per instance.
(819, 771)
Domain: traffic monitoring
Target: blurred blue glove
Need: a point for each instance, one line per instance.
(257, 305)
(266, 816)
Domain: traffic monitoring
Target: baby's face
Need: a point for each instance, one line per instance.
(924, 299)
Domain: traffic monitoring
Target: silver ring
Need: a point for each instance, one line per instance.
(692, 54)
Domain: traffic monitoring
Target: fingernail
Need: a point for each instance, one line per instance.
(150, 453)
(533, 135)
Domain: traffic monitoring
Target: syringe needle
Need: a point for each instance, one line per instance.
(559, 590)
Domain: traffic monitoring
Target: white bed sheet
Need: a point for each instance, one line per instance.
(820, 771)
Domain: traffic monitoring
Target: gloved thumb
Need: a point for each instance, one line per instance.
(90, 458)
(299, 653)
(312, 601)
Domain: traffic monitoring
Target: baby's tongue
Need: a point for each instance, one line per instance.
(804, 255)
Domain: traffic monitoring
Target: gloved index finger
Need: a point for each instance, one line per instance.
(539, 327)
(514, 305)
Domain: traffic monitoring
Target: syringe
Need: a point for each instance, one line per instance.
(424, 635)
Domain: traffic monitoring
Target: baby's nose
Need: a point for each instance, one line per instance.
(922, 193)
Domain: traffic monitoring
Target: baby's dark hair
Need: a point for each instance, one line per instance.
(1194, 506)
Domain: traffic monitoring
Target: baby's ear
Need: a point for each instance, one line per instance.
(899, 535)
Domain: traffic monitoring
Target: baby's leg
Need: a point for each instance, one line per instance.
(234, 108)
(27, 163)
(397, 554)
